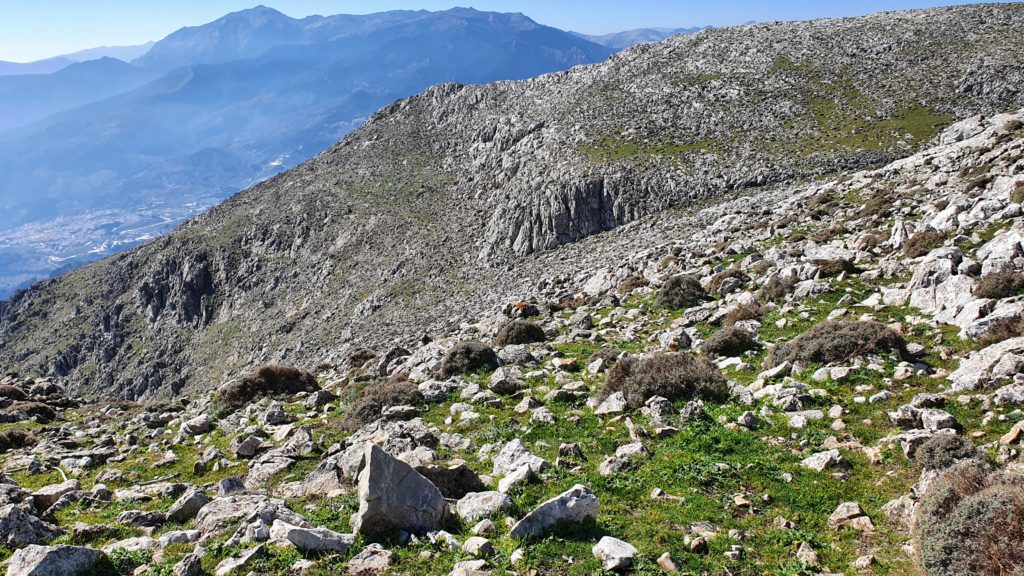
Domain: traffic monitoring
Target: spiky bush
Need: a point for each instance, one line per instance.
(271, 380)
(719, 279)
(838, 341)
(777, 287)
(631, 283)
(374, 398)
(834, 267)
(676, 376)
(520, 332)
(1002, 329)
(1002, 284)
(923, 242)
(12, 392)
(972, 522)
(40, 411)
(467, 356)
(743, 312)
(680, 292)
(944, 450)
(12, 439)
(730, 341)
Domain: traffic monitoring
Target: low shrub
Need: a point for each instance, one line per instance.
(1002, 329)
(923, 242)
(14, 439)
(520, 332)
(972, 522)
(40, 411)
(944, 450)
(360, 357)
(1002, 284)
(271, 380)
(718, 280)
(830, 342)
(753, 311)
(680, 292)
(828, 268)
(777, 287)
(468, 356)
(730, 341)
(374, 398)
(610, 354)
(631, 283)
(12, 392)
(676, 376)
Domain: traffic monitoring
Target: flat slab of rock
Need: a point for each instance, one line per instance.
(393, 496)
(222, 514)
(575, 505)
(35, 560)
(374, 559)
(311, 539)
(48, 495)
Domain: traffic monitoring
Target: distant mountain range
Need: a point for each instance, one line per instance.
(103, 155)
(629, 38)
(51, 65)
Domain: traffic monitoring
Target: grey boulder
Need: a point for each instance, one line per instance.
(393, 497)
(35, 560)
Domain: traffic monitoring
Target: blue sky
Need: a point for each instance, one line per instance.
(35, 29)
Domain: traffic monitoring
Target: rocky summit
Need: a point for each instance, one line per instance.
(749, 301)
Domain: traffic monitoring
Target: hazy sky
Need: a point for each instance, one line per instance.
(35, 29)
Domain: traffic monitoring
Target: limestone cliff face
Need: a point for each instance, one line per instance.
(447, 203)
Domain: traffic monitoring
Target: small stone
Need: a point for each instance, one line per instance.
(479, 547)
(614, 554)
(667, 564)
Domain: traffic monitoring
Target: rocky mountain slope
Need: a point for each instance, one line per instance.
(437, 209)
(816, 379)
(213, 109)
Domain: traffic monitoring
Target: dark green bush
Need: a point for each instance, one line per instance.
(468, 356)
(520, 332)
(944, 450)
(676, 376)
(1001, 284)
(972, 522)
(680, 292)
(374, 398)
(830, 342)
(730, 341)
(271, 380)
